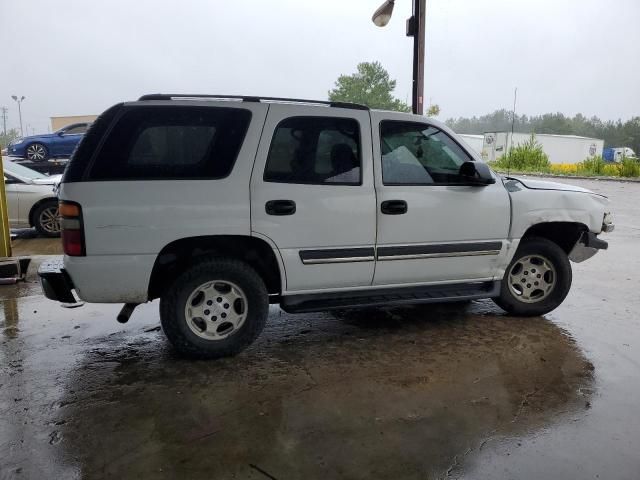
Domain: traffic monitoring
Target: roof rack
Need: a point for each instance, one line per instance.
(189, 96)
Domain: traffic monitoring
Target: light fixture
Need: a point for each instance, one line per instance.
(383, 14)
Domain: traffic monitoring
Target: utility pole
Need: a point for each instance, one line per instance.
(19, 102)
(4, 120)
(415, 29)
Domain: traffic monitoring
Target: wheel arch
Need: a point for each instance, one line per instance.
(563, 234)
(180, 254)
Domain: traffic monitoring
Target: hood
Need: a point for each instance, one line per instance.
(52, 180)
(544, 185)
(33, 137)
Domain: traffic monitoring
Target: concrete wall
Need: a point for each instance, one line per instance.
(58, 122)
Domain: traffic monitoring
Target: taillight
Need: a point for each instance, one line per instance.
(72, 229)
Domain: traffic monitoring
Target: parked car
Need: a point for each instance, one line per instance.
(220, 206)
(39, 148)
(32, 199)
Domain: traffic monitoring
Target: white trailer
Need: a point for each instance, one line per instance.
(474, 142)
(559, 148)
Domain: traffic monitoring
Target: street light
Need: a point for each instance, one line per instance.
(19, 102)
(415, 29)
(383, 14)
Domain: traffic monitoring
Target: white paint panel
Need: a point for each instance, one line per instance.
(141, 217)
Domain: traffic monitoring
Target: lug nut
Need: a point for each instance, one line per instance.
(209, 302)
(207, 312)
(223, 315)
(219, 299)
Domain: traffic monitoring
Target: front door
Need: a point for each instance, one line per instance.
(432, 227)
(312, 195)
(13, 205)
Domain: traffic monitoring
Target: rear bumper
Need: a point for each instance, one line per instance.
(56, 283)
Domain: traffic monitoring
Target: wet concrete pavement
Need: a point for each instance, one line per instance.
(457, 391)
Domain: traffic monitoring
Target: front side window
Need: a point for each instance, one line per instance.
(419, 154)
(315, 150)
(76, 130)
(172, 142)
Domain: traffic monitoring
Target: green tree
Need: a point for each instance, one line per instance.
(370, 86)
(6, 139)
(433, 110)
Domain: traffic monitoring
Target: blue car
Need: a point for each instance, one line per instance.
(39, 148)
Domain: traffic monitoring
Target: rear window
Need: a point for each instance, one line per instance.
(172, 142)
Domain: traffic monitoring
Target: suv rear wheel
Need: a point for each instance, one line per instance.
(215, 309)
(537, 280)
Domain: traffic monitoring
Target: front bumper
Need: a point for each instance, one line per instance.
(586, 247)
(56, 283)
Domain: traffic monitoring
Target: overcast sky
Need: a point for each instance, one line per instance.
(79, 57)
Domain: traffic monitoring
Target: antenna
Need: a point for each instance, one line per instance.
(513, 121)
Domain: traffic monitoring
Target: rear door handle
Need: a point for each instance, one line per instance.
(280, 207)
(393, 207)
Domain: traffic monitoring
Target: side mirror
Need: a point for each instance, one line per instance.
(477, 173)
(60, 133)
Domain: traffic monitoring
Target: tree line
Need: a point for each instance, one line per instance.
(614, 133)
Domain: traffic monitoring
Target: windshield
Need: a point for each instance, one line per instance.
(22, 171)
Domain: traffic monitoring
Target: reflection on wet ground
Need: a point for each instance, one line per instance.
(395, 393)
(438, 391)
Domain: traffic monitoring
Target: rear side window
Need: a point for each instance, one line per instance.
(315, 150)
(172, 142)
(83, 153)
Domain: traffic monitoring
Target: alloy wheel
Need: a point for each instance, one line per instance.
(532, 278)
(216, 309)
(36, 152)
(49, 220)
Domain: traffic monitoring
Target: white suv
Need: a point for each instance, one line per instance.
(221, 205)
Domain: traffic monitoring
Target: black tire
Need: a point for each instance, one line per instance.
(42, 219)
(510, 301)
(173, 301)
(37, 152)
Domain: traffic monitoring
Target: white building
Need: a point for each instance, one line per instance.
(559, 148)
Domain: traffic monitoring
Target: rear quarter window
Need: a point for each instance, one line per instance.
(172, 142)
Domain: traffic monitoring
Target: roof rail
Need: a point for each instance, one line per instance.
(189, 96)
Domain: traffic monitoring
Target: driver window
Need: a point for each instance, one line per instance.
(419, 154)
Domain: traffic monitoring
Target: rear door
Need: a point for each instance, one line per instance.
(312, 195)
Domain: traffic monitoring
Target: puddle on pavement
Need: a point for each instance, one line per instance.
(387, 393)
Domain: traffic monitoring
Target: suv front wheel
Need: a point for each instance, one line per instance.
(215, 309)
(537, 280)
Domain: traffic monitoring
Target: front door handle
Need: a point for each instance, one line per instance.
(280, 207)
(393, 207)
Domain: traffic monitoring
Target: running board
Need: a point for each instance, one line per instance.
(389, 296)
